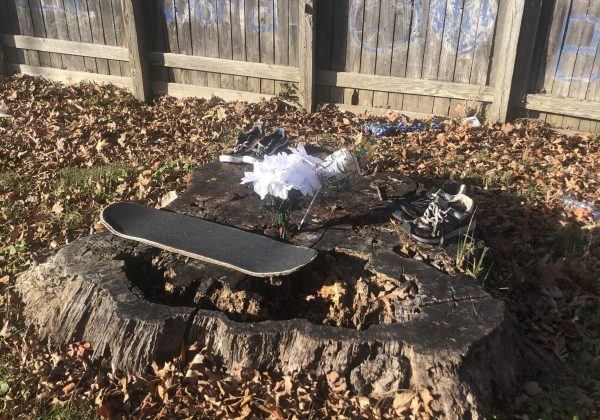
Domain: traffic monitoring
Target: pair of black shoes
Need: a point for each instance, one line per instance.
(252, 146)
(439, 216)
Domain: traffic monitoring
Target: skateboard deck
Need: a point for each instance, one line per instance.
(250, 253)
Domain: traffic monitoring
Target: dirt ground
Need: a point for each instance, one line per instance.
(68, 151)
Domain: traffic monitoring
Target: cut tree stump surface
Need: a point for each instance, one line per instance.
(451, 337)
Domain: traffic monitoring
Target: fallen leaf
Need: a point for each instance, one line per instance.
(57, 208)
(426, 398)
(168, 198)
(402, 400)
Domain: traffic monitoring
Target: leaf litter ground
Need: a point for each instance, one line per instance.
(68, 151)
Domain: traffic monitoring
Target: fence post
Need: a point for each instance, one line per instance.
(306, 52)
(510, 17)
(524, 64)
(134, 28)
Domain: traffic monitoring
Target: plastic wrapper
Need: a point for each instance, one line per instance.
(571, 203)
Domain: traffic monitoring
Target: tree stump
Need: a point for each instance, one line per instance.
(383, 321)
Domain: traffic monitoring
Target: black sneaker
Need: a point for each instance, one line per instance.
(442, 220)
(414, 209)
(268, 145)
(244, 145)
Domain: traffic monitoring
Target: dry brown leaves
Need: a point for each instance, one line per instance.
(68, 151)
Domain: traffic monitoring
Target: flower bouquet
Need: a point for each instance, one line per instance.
(277, 175)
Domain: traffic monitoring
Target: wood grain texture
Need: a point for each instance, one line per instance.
(252, 40)
(238, 41)
(431, 58)
(65, 47)
(219, 65)
(225, 39)
(266, 30)
(183, 18)
(339, 43)
(307, 52)
(24, 26)
(82, 18)
(560, 18)
(353, 46)
(70, 62)
(109, 33)
(416, 53)
(97, 29)
(211, 39)
(509, 26)
(451, 38)
(70, 76)
(198, 46)
(39, 29)
(431, 88)
(524, 64)
(564, 106)
(48, 8)
(464, 59)
(385, 43)
(120, 33)
(282, 47)
(368, 56)
(323, 45)
(136, 36)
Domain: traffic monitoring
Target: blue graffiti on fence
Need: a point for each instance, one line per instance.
(463, 27)
(589, 50)
(70, 8)
(379, 41)
(205, 13)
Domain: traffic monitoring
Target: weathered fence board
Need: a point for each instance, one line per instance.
(446, 57)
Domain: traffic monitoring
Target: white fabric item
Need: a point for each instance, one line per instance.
(279, 174)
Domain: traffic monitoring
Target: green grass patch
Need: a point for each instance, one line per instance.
(72, 220)
(11, 181)
(169, 168)
(565, 403)
(65, 413)
(98, 181)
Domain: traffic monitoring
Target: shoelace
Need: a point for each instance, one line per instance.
(434, 215)
(426, 200)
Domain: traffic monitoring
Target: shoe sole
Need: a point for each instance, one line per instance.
(401, 216)
(231, 159)
(434, 241)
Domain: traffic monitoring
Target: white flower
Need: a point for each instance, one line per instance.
(278, 174)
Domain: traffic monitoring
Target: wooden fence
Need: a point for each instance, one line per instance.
(496, 58)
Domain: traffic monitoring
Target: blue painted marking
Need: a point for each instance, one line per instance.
(442, 14)
(270, 13)
(169, 10)
(56, 6)
(380, 42)
(589, 50)
(204, 12)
